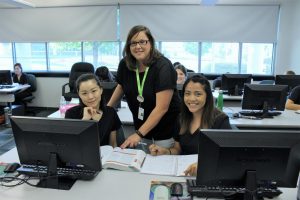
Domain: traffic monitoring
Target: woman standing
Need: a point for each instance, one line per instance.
(148, 81)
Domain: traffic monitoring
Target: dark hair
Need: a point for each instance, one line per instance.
(87, 77)
(18, 65)
(181, 67)
(176, 63)
(290, 72)
(129, 59)
(207, 116)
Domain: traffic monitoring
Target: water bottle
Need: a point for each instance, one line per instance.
(62, 106)
(220, 100)
(7, 114)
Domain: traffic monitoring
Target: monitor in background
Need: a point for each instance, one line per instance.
(234, 83)
(58, 151)
(108, 90)
(250, 159)
(265, 98)
(290, 80)
(5, 77)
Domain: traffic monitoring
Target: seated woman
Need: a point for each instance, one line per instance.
(21, 78)
(197, 112)
(92, 108)
(181, 73)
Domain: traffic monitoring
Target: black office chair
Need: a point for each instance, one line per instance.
(28, 99)
(104, 74)
(76, 70)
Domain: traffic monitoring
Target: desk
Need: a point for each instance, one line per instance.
(7, 94)
(229, 101)
(108, 185)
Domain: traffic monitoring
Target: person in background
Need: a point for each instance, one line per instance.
(92, 108)
(181, 73)
(197, 112)
(293, 101)
(104, 74)
(178, 63)
(148, 81)
(21, 78)
(290, 72)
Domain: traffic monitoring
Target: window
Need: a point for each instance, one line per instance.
(257, 58)
(184, 52)
(219, 57)
(102, 54)
(32, 56)
(6, 58)
(62, 55)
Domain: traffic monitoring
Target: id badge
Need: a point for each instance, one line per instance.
(141, 113)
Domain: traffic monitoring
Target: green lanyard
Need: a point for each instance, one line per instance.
(141, 86)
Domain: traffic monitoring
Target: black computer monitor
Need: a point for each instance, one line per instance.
(5, 77)
(266, 98)
(234, 83)
(250, 159)
(290, 80)
(56, 144)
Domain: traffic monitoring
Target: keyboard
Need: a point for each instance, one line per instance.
(258, 113)
(221, 192)
(38, 171)
(6, 86)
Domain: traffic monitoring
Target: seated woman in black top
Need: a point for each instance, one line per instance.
(21, 78)
(92, 108)
(197, 112)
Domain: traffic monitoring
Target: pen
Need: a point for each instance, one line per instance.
(153, 142)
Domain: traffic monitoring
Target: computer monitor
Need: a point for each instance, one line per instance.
(250, 159)
(266, 98)
(108, 90)
(47, 147)
(5, 77)
(290, 80)
(234, 83)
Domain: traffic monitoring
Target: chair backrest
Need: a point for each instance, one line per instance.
(104, 74)
(32, 82)
(78, 69)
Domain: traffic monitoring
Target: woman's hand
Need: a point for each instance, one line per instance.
(131, 141)
(191, 170)
(156, 150)
(91, 113)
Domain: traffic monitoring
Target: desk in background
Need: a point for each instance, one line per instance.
(7, 95)
(229, 101)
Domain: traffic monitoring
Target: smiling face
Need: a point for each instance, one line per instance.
(140, 47)
(90, 93)
(180, 76)
(194, 97)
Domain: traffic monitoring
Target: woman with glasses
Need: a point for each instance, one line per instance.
(92, 107)
(148, 81)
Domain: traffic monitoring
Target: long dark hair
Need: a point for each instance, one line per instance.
(186, 116)
(129, 58)
(87, 77)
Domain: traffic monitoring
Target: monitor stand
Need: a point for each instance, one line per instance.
(52, 180)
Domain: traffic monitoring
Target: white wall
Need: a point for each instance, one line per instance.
(288, 46)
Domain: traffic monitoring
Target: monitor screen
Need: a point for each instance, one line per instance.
(5, 77)
(55, 144)
(229, 158)
(290, 80)
(265, 98)
(234, 83)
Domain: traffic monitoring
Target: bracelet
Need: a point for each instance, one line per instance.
(139, 133)
(170, 152)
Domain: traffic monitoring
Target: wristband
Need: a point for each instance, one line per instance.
(139, 133)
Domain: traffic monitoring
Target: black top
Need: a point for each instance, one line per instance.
(161, 76)
(295, 95)
(109, 121)
(189, 142)
(23, 79)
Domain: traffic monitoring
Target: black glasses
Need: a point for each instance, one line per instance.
(141, 43)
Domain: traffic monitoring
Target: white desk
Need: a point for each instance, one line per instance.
(108, 185)
(7, 94)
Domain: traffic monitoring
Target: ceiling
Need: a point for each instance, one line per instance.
(66, 3)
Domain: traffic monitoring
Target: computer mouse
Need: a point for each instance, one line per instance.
(235, 115)
(161, 192)
(12, 167)
(176, 189)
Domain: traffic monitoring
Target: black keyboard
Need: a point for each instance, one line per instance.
(38, 171)
(6, 86)
(221, 192)
(258, 113)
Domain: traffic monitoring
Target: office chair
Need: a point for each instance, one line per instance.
(104, 74)
(77, 69)
(33, 87)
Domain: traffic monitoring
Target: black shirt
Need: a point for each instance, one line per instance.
(109, 121)
(23, 79)
(295, 95)
(161, 76)
(189, 142)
